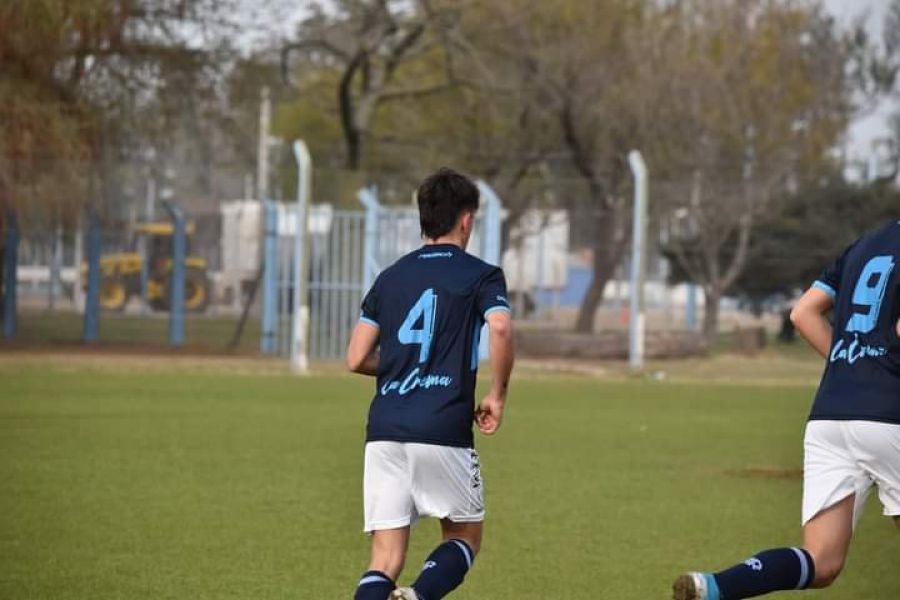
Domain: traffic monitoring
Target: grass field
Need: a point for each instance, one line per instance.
(208, 484)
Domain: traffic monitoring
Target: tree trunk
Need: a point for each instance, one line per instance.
(593, 298)
(711, 314)
(354, 149)
(608, 246)
(348, 112)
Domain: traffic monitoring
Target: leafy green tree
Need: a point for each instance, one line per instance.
(88, 84)
(792, 247)
(759, 97)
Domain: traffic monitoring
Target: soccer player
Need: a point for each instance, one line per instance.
(852, 440)
(418, 334)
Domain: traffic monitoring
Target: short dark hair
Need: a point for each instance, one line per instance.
(442, 198)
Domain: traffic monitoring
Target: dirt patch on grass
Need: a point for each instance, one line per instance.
(768, 473)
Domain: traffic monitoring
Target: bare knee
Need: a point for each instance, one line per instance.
(827, 568)
(827, 539)
(470, 533)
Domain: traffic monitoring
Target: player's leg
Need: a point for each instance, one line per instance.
(447, 565)
(765, 572)
(826, 537)
(833, 492)
(878, 449)
(389, 511)
(388, 555)
(470, 533)
(816, 565)
(447, 484)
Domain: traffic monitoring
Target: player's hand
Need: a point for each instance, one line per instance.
(490, 414)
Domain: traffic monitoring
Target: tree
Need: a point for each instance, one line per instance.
(367, 42)
(759, 97)
(86, 83)
(793, 247)
(569, 71)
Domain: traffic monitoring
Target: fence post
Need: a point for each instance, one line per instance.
(176, 275)
(270, 278)
(78, 259)
(636, 315)
(490, 246)
(368, 197)
(92, 297)
(56, 250)
(10, 260)
(690, 310)
(300, 313)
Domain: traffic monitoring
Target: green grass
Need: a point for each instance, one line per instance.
(216, 486)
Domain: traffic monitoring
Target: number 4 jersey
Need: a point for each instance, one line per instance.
(862, 376)
(430, 307)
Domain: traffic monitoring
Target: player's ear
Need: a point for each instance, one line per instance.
(468, 222)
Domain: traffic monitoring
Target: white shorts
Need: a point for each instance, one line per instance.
(405, 481)
(849, 457)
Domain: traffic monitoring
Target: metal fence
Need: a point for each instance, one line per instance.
(347, 250)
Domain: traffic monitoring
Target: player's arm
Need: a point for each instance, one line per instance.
(490, 411)
(808, 316)
(362, 352)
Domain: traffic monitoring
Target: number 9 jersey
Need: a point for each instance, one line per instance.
(430, 307)
(862, 373)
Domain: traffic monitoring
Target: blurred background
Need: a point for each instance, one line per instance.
(143, 142)
(195, 195)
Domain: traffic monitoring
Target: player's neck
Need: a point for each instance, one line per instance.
(453, 240)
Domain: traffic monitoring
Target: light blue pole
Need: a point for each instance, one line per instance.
(491, 252)
(493, 207)
(638, 261)
(690, 309)
(300, 313)
(368, 197)
(177, 276)
(270, 278)
(10, 259)
(92, 297)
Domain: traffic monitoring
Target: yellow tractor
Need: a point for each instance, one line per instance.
(121, 272)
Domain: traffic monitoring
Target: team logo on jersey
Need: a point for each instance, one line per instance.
(854, 351)
(414, 381)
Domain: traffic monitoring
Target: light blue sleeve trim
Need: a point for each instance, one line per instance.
(495, 309)
(825, 288)
(368, 321)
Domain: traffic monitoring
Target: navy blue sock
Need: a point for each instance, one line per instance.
(768, 571)
(445, 568)
(374, 585)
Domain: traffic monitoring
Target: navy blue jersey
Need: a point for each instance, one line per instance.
(862, 376)
(430, 307)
